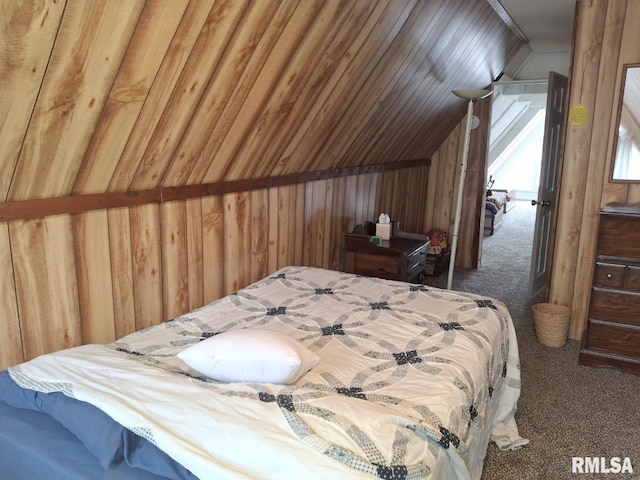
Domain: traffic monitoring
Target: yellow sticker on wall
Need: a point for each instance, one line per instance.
(578, 115)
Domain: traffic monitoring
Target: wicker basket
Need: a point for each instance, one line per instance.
(552, 323)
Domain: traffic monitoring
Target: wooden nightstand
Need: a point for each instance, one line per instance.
(400, 258)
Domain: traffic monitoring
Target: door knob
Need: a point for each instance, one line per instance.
(543, 203)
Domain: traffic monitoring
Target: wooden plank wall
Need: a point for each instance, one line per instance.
(607, 35)
(130, 95)
(438, 207)
(118, 100)
(89, 277)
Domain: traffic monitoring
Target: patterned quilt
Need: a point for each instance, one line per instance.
(411, 382)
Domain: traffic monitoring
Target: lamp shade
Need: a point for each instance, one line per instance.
(472, 94)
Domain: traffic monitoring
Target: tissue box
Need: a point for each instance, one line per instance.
(383, 230)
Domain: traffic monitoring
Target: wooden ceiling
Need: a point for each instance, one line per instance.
(104, 96)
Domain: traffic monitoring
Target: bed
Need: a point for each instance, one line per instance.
(395, 380)
(497, 203)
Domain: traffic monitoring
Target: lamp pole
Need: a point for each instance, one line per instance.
(471, 96)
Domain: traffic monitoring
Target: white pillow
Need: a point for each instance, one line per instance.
(246, 355)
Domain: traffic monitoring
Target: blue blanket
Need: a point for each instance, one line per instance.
(50, 435)
(491, 207)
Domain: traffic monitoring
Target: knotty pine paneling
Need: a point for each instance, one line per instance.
(264, 239)
(11, 340)
(86, 54)
(606, 37)
(442, 176)
(124, 97)
(272, 235)
(95, 288)
(168, 81)
(151, 39)
(133, 95)
(121, 254)
(403, 196)
(311, 69)
(195, 253)
(224, 20)
(322, 197)
(435, 203)
(287, 197)
(282, 57)
(175, 258)
(346, 77)
(43, 265)
(237, 240)
(243, 75)
(148, 276)
(27, 33)
(339, 226)
(472, 217)
(213, 248)
(99, 275)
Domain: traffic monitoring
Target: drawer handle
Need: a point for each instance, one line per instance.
(609, 275)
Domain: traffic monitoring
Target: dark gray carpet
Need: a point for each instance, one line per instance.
(565, 410)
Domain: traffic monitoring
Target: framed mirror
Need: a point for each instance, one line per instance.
(626, 163)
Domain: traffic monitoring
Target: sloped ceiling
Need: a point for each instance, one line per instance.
(548, 28)
(122, 95)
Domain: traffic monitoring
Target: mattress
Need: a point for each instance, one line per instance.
(412, 382)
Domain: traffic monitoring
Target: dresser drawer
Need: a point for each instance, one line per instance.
(632, 279)
(618, 236)
(613, 338)
(615, 306)
(609, 275)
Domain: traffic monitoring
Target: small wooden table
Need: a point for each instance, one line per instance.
(399, 258)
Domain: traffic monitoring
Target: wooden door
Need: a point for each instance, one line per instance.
(552, 148)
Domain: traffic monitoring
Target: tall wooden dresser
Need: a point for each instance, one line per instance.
(612, 334)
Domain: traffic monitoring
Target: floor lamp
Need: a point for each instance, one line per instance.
(471, 96)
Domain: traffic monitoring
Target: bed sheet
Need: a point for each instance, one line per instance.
(411, 382)
(59, 454)
(53, 436)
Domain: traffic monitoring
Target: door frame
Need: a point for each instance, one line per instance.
(482, 151)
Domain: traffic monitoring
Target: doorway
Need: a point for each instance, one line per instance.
(514, 158)
(516, 136)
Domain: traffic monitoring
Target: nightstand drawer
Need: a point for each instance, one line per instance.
(399, 258)
(417, 258)
(376, 266)
(609, 275)
(614, 339)
(415, 270)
